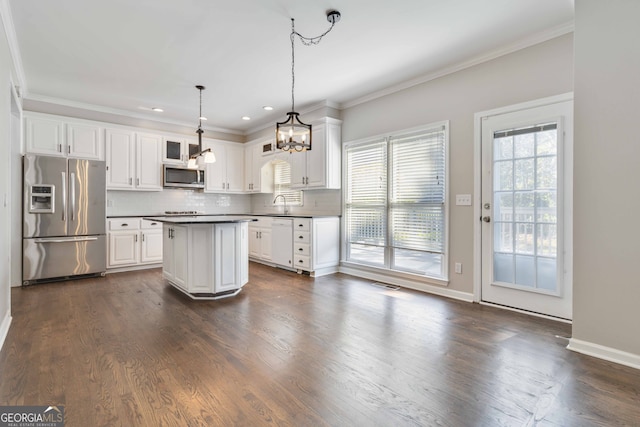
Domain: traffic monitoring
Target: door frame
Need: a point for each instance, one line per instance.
(477, 183)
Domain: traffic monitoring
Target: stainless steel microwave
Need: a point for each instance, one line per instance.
(181, 177)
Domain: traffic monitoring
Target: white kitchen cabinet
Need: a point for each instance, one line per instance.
(62, 137)
(320, 167)
(174, 254)
(228, 260)
(133, 242)
(316, 245)
(258, 172)
(260, 239)
(177, 150)
(204, 260)
(133, 160)
(226, 175)
(150, 242)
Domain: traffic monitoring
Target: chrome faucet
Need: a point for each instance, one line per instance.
(286, 211)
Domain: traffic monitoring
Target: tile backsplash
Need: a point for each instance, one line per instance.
(157, 202)
(137, 203)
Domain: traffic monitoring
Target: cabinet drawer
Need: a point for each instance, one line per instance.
(301, 261)
(301, 249)
(301, 236)
(124, 224)
(301, 224)
(150, 225)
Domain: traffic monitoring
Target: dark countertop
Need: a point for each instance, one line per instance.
(201, 219)
(161, 215)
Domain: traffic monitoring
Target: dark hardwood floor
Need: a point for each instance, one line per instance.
(295, 351)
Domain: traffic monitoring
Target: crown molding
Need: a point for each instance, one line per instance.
(126, 113)
(533, 40)
(14, 50)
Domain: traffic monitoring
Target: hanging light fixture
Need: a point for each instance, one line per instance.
(292, 134)
(202, 156)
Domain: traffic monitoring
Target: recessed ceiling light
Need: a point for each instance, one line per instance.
(246, 118)
(203, 118)
(157, 109)
(267, 108)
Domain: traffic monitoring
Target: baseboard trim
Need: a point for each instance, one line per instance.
(406, 283)
(606, 353)
(4, 327)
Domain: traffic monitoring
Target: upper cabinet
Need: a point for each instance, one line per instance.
(320, 167)
(226, 175)
(258, 172)
(178, 150)
(63, 137)
(133, 160)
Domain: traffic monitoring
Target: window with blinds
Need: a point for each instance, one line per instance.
(395, 202)
(282, 184)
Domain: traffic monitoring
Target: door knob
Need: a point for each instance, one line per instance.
(486, 219)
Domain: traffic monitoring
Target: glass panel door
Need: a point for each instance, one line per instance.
(526, 207)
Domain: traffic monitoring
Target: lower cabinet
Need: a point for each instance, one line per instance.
(316, 245)
(206, 259)
(260, 239)
(133, 242)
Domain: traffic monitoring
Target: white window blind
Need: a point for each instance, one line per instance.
(366, 201)
(395, 202)
(417, 191)
(282, 184)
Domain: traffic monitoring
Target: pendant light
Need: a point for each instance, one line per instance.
(292, 134)
(202, 156)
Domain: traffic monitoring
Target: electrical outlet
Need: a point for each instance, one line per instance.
(109, 203)
(458, 267)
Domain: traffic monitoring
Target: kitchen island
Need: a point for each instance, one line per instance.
(205, 256)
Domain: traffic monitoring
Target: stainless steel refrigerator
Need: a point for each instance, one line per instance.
(64, 218)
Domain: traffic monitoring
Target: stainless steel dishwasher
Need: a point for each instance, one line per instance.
(282, 242)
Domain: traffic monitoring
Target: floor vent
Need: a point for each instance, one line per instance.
(385, 286)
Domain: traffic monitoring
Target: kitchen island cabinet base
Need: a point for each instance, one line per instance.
(206, 257)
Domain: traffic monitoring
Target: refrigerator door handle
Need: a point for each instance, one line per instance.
(64, 196)
(67, 240)
(72, 190)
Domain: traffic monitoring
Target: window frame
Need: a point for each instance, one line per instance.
(388, 267)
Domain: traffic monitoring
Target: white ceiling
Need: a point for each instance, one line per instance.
(127, 56)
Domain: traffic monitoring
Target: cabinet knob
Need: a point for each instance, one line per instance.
(124, 225)
(300, 237)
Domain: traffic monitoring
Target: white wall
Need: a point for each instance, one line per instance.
(543, 70)
(607, 175)
(6, 71)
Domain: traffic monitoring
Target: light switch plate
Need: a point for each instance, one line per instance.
(463, 199)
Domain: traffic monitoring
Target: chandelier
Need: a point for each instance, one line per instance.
(292, 134)
(202, 156)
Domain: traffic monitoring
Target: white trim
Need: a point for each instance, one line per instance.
(606, 353)
(477, 178)
(542, 37)
(111, 270)
(119, 112)
(12, 41)
(4, 327)
(406, 283)
(530, 313)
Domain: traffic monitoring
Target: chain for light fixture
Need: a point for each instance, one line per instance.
(293, 134)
